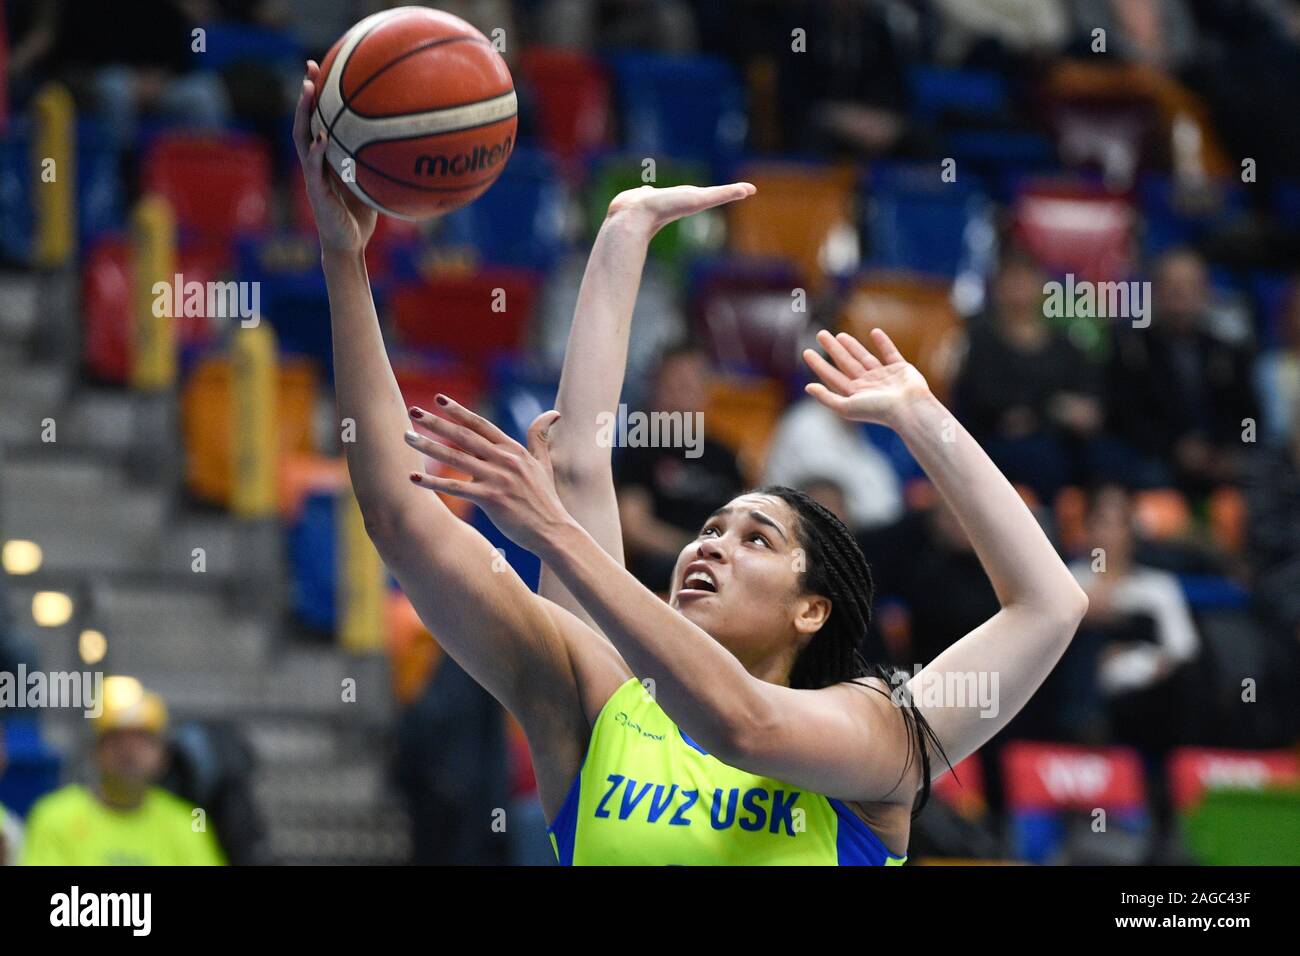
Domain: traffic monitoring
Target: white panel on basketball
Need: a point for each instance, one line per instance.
(357, 131)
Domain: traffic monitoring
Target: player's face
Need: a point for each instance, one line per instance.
(739, 579)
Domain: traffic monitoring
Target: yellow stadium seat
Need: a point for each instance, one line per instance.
(742, 415)
(799, 214)
(207, 420)
(917, 314)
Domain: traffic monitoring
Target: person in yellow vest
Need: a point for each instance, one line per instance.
(124, 818)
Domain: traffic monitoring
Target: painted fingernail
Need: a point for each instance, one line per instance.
(442, 400)
(415, 412)
(412, 437)
(415, 477)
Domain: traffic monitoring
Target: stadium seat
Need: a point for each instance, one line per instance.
(1072, 227)
(230, 44)
(1046, 784)
(801, 213)
(1227, 514)
(685, 107)
(754, 330)
(219, 186)
(521, 221)
(914, 311)
(312, 541)
(1161, 513)
(916, 222)
(573, 101)
(33, 764)
(742, 414)
(207, 417)
(677, 242)
(413, 654)
(470, 316)
(940, 95)
(293, 296)
(306, 473)
(106, 307)
(1171, 217)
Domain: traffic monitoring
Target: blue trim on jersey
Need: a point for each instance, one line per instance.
(565, 827)
(692, 743)
(855, 842)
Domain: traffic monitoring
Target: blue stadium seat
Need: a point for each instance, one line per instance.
(33, 769)
(233, 43)
(520, 221)
(1169, 223)
(915, 221)
(688, 108)
(938, 93)
(313, 572)
(293, 295)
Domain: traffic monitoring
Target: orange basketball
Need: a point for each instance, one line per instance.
(420, 111)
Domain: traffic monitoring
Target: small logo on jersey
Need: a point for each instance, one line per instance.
(622, 719)
(479, 158)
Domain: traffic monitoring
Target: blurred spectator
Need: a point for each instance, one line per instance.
(1020, 27)
(125, 60)
(123, 818)
(1026, 393)
(11, 828)
(1273, 528)
(812, 444)
(1125, 676)
(1277, 373)
(664, 494)
(665, 26)
(1159, 33)
(452, 768)
(1176, 391)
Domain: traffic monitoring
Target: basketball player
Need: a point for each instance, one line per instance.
(735, 723)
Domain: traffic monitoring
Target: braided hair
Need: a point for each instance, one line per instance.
(835, 568)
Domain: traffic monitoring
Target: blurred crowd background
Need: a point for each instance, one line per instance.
(175, 510)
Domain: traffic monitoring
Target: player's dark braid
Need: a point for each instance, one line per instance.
(834, 567)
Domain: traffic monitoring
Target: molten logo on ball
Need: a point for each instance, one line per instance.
(481, 158)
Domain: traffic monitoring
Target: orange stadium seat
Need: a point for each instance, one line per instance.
(412, 651)
(305, 473)
(802, 214)
(1227, 513)
(207, 418)
(1162, 513)
(917, 314)
(742, 414)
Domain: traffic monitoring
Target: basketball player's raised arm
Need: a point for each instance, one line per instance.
(595, 359)
(509, 640)
(1011, 654)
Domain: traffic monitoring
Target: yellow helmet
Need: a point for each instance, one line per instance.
(128, 706)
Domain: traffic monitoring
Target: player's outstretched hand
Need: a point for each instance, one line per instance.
(343, 221)
(859, 386)
(650, 208)
(514, 484)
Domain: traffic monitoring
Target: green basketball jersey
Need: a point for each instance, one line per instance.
(647, 794)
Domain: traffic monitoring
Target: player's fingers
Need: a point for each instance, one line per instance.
(845, 362)
(454, 411)
(858, 351)
(828, 373)
(711, 196)
(302, 118)
(539, 436)
(448, 486)
(822, 394)
(458, 435)
(885, 346)
(474, 467)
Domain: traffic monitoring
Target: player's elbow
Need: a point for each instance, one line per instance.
(577, 470)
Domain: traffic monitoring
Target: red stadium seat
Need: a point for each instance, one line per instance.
(106, 306)
(573, 101)
(1079, 229)
(963, 789)
(219, 186)
(1193, 770)
(471, 315)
